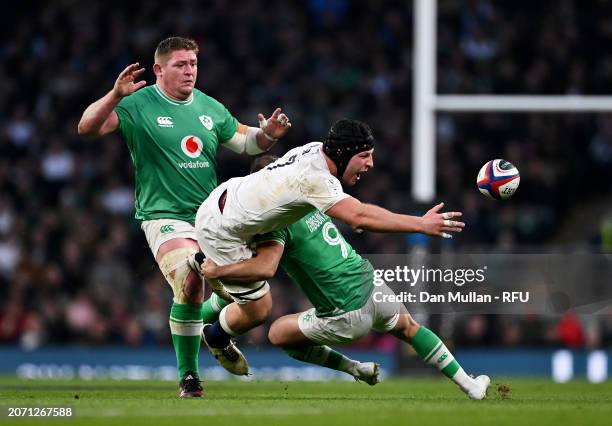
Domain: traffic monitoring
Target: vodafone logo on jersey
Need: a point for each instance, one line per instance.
(192, 146)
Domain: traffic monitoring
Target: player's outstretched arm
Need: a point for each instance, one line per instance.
(374, 218)
(260, 267)
(253, 140)
(100, 118)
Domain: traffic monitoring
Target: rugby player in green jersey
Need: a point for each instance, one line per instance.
(173, 131)
(340, 285)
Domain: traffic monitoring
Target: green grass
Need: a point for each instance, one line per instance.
(393, 402)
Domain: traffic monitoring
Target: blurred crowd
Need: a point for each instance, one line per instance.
(74, 265)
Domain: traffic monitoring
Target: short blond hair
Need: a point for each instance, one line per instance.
(172, 44)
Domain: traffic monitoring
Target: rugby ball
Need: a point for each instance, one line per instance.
(498, 179)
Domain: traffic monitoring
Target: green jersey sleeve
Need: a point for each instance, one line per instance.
(227, 126)
(280, 236)
(124, 110)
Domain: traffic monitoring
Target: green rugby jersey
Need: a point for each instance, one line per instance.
(318, 259)
(173, 145)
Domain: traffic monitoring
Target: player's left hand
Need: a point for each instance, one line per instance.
(276, 126)
(440, 224)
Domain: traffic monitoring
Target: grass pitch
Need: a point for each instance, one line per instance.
(393, 402)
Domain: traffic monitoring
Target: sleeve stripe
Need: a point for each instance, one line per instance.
(267, 240)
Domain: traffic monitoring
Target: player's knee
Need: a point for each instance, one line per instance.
(194, 288)
(262, 313)
(411, 327)
(186, 286)
(406, 327)
(258, 317)
(259, 310)
(275, 335)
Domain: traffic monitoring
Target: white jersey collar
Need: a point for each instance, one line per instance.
(168, 99)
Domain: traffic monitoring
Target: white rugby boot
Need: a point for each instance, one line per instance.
(368, 372)
(229, 357)
(478, 389)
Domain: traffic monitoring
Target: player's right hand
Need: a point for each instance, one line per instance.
(125, 84)
(210, 269)
(440, 224)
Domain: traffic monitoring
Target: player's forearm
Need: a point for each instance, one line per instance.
(246, 271)
(263, 142)
(378, 219)
(97, 113)
(249, 140)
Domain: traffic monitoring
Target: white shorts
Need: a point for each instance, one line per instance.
(225, 249)
(158, 231)
(350, 326)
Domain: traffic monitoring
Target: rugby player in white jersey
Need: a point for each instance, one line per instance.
(305, 178)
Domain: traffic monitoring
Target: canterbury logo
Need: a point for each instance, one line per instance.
(443, 357)
(165, 122)
(166, 229)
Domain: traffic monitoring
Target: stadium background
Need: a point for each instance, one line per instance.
(75, 269)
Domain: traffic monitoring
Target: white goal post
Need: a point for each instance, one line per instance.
(426, 102)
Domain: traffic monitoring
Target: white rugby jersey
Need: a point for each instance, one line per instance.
(280, 193)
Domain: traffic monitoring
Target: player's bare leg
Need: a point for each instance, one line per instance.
(241, 318)
(186, 312)
(285, 332)
(194, 288)
(235, 320)
(433, 351)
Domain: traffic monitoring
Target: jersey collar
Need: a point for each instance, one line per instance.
(168, 99)
(324, 164)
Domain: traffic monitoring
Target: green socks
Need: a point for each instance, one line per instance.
(434, 352)
(323, 356)
(186, 322)
(425, 342)
(211, 308)
(186, 328)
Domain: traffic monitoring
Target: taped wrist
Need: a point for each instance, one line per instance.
(262, 124)
(251, 141)
(245, 140)
(267, 136)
